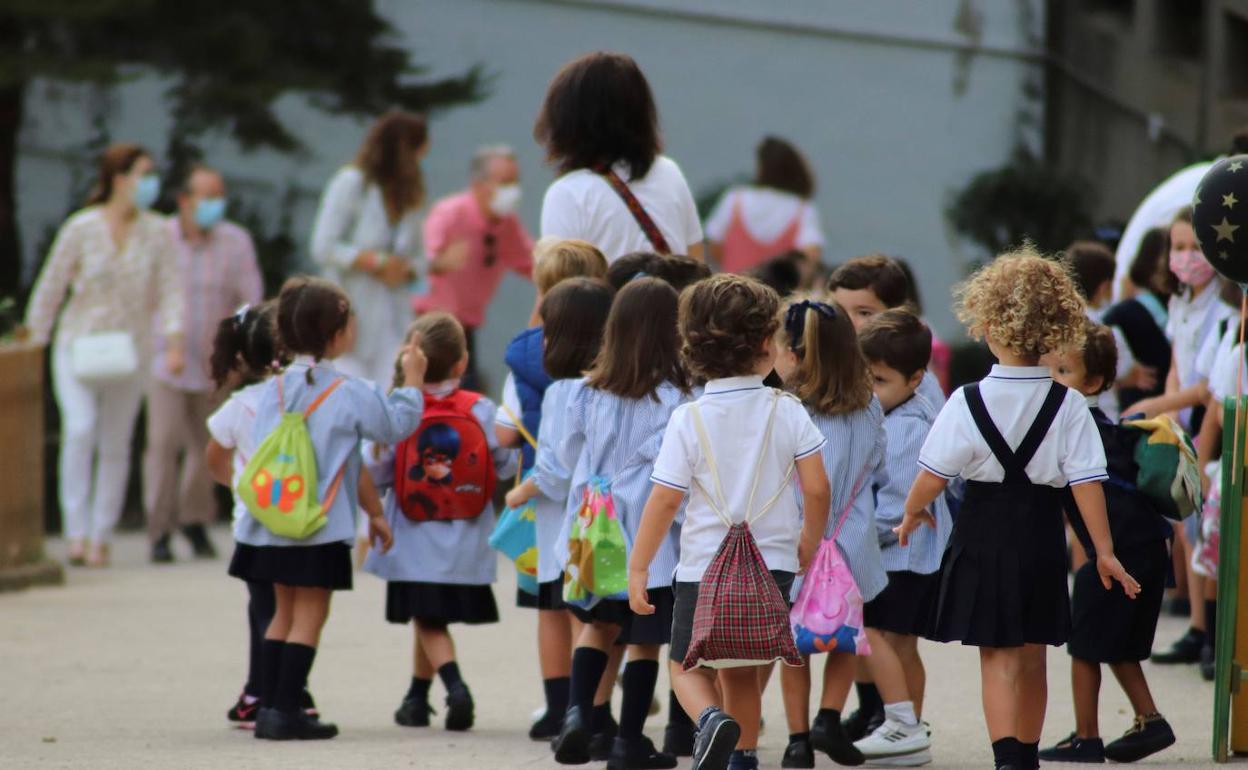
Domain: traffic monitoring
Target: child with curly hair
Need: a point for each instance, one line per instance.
(1019, 439)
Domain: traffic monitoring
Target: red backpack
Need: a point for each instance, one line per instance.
(445, 470)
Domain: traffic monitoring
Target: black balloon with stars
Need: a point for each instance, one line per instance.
(1220, 217)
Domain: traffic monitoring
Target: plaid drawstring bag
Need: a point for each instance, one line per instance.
(741, 618)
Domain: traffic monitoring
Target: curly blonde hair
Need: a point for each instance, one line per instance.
(724, 322)
(1024, 303)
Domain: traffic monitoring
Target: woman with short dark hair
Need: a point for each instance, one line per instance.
(600, 128)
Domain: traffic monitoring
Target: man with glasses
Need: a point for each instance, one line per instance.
(471, 239)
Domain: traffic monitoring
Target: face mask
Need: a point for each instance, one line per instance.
(147, 191)
(209, 211)
(506, 199)
(1191, 267)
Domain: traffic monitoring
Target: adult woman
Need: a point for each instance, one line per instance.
(753, 223)
(367, 234)
(116, 261)
(600, 129)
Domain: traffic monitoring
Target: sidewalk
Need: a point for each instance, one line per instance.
(135, 666)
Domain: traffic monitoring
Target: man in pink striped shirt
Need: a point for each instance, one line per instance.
(219, 266)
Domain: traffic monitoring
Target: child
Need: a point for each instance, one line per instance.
(679, 271)
(316, 325)
(1106, 627)
(615, 424)
(728, 325)
(442, 566)
(1018, 438)
(820, 362)
(1092, 265)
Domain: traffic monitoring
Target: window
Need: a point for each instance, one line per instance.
(1180, 28)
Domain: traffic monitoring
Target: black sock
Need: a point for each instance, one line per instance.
(1007, 751)
(419, 690)
(869, 700)
(449, 674)
(292, 676)
(587, 667)
(831, 716)
(1211, 621)
(1198, 633)
(676, 714)
(799, 737)
(556, 696)
(638, 679)
(600, 718)
(1029, 755)
(259, 614)
(270, 670)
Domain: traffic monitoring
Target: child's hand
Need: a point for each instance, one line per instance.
(414, 363)
(912, 521)
(379, 533)
(1110, 569)
(807, 547)
(520, 495)
(638, 598)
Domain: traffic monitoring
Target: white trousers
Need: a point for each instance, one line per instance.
(97, 423)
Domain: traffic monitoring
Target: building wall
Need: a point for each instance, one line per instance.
(896, 105)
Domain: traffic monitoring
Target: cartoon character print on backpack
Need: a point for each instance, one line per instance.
(445, 470)
(433, 476)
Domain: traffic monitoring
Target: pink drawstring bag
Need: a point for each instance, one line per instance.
(827, 616)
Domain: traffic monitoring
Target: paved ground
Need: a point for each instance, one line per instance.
(135, 666)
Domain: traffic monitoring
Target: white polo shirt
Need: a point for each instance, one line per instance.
(1071, 452)
(735, 411)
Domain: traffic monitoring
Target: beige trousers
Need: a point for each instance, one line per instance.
(176, 429)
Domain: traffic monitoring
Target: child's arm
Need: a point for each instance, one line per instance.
(1090, 498)
(219, 460)
(390, 419)
(816, 498)
(926, 488)
(370, 503)
(1193, 395)
(656, 520)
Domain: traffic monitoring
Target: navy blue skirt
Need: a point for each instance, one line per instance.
(305, 566)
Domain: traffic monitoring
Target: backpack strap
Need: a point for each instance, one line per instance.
(635, 208)
(784, 484)
(720, 505)
(316, 402)
(717, 501)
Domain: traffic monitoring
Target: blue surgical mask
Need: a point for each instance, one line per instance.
(209, 211)
(147, 191)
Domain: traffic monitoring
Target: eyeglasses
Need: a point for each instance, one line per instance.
(491, 255)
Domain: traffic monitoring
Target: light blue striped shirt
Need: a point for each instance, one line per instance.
(552, 478)
(618, 439)
(907, 426)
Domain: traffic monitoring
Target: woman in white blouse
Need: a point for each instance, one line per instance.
(367, 236)
(774, 215)
(599, 117)
(116, 261)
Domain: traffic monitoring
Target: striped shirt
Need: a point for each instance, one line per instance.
(552, 478)
(907, 426)
(618, 439)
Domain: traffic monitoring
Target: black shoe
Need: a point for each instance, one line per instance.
(717, 737)
(1180, 607)
(678, 739)
(200, 543)
(1076, 749)
(161, 552)
(572, 744)
(459, 708)
(830, 737)
(860, 724)
(798, 754)
(413, 713)
(1186, 649)
(1148, 736)
(600, 743)
(638, 755)
(546, 728)
(274, 725)
(1208, 664)
(243, 713)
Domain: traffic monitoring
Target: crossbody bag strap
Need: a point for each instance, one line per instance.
(636, 209)
(717, 504)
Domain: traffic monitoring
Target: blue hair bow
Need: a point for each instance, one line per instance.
(795, 319)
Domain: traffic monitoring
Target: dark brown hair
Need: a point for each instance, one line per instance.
(443, 342)
(388, 158)
(246, 343)
(781, 166)
(1091, 264)
(599, 111)
(1100, 355)
(311, 311)
(1150, 269)
(117, 159)
(724, 323)
(877, 272)
(677, 270)
(574, 314)
(831, 375)
(640, 347)
(898, 339)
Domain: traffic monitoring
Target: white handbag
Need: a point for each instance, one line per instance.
(104, 357)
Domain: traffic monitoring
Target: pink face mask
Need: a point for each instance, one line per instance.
(1191, 267)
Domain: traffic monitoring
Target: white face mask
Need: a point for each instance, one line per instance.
(506, 200)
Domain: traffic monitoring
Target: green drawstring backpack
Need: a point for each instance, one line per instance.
(276, 481)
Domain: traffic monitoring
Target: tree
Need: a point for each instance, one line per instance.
(229, 61)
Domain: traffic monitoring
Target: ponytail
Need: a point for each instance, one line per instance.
(246, 344)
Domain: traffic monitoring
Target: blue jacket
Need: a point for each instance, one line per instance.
(524, 357)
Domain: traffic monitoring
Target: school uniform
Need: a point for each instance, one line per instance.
(554, 480)
(735, 411)
(1106, 625)
(1192, 323)
(613, 442)
(354, 411)
(1018, 439)
(905, 605)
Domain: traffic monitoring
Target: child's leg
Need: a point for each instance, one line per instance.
(640, 675)
(310, 610)
(274, 643)
(554, 643)
(743, 702)
(433, 641)
(885, 668)
(906, 646)
(999, 669)
(422, 667)
(260, 609)
(1085, 684)
(591, 666)
(1032, 694)
(838, 675)
(764, 676)
(1130, 676)
(795, 684)
(606, 685)
(696, 689)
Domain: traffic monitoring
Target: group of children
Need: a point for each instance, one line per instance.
(698, 413)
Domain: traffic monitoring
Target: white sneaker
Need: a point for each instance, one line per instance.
(896, 745)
